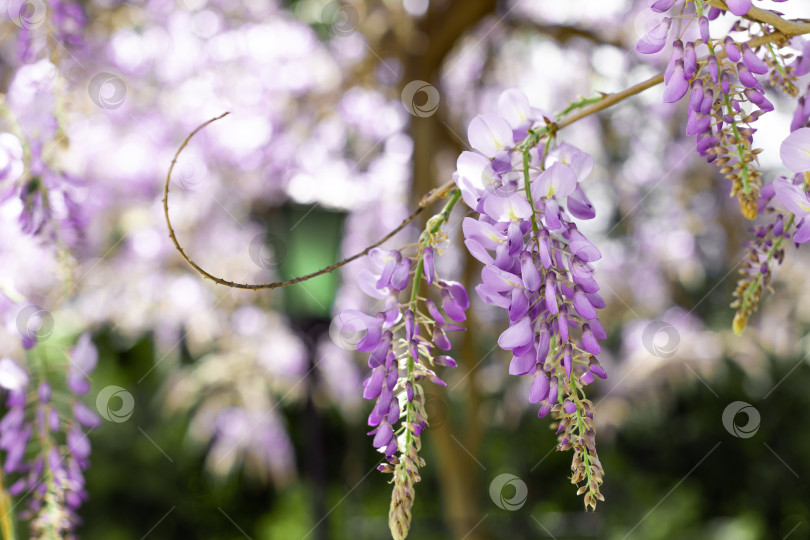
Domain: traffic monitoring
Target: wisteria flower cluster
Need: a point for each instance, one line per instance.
(406, 342)
(537, 265)
(46, 446)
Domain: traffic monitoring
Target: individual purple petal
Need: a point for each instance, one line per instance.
(802, 232)
(440, 338)
(553, 391)
(589, 342)
(434, 311)
(444, 360)
(44, 392)
(739, 7)
(373, 335)
(401, 276)
(655, 38)
(753, 62)
(539, 389)
(427, 258)
(690, 60)
(581, 163)
(528, 272)
(552, 215)
(746, 77)
(545, 408)
(759, 100)
(795, 152)
(452, 307)
(586, 378)
(518, 335)
(677, 54)
(703, 24)
(84, 354)
(551, 294)
(383, 436)
(513, 106)
(582, 247)
(78, 443)
(393, 412)
(583, 306)
(579, 205)
(597, 329)
(732, 49)
(373, 385)
(489, 134)
(714, 68)
(558, 180)
(521, 365)
(678, 84)
(562, 323)
(492, 297)
(519, 305)
(569, 406)
(506, 209)
(86, 416)
(660, 6)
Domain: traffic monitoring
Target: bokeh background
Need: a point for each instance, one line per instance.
(247, 419)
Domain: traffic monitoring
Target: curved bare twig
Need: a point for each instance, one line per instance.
(426, 201)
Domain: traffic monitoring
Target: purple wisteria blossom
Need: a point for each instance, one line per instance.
(537, 264)
(45, 446)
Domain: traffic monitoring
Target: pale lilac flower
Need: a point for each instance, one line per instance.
(795, 151)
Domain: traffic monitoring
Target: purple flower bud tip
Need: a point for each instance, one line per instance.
(739, 7)
(427, 258)
(44, 392)
(569, 406)
(586, 378)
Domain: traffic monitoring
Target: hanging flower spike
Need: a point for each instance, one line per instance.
(536, 269)
(401, 341)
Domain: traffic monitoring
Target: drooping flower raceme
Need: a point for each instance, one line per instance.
(537, 266)
(767, 247)
(45, 444)
(406, 341)
(725, 89)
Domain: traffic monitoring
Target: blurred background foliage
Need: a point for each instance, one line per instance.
(674, 470)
